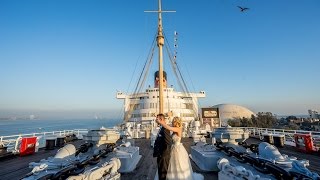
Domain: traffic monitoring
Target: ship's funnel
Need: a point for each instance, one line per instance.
(156, 79)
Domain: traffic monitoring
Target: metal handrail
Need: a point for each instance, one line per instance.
(12, 142)
(288, 134)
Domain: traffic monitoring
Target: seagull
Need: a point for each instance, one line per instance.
(242, 9)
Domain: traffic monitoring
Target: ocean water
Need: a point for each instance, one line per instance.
(13, 127)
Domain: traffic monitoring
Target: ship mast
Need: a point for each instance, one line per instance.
(160, 43)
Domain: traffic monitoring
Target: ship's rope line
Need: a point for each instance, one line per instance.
(174, 63)
(183, 81)
(174, 67)
(188, 93)
(143, 74)
(121, 114)
(134, 71)
(192, 85)
(187, 90)
(148, 68)
(183, 85)
(145, 64)
(136, 90)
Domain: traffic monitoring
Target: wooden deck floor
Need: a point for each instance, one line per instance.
(146, 168)
(16, 167)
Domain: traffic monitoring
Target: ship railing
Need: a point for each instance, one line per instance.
(288, 134)
(12, 142)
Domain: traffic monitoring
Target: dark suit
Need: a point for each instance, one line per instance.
(162, 150)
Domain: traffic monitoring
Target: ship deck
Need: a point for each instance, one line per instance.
(17, 167)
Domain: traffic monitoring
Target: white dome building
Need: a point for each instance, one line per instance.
(232, 111)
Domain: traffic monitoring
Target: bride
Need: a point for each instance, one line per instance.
(179, 165)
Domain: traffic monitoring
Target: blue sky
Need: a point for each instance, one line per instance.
(69, 57)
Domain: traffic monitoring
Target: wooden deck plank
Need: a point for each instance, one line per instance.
(147, 167)
(16, 167)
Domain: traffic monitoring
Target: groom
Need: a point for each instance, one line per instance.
(162, 146)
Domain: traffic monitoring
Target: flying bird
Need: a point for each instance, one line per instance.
(242, 9)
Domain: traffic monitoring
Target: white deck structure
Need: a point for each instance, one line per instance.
(143, 107)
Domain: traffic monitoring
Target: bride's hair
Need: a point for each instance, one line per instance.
(176, 122)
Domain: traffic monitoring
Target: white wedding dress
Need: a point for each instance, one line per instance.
(179, 165)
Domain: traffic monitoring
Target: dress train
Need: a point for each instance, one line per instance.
(179, 165)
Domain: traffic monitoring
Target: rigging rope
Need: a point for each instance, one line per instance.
(144, 74)
(145, 64)
(175, 67)
(147, 69)
(179, 77)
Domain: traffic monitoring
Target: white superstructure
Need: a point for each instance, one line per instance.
(144, 106)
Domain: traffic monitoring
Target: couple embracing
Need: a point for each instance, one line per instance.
(172, 158)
